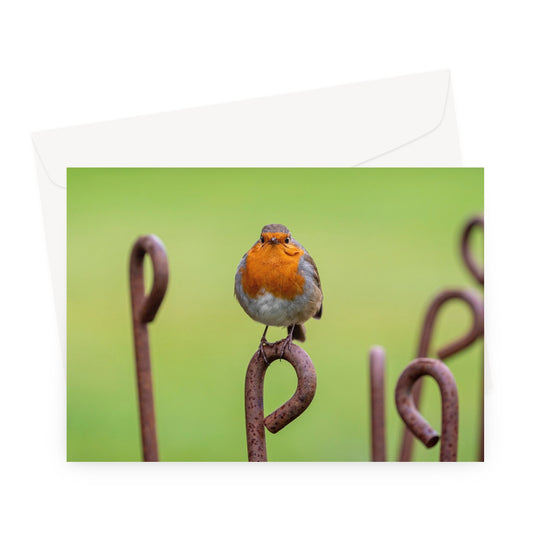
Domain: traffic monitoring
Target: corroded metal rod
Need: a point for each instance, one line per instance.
(144, 308)
(478, 272)
(450, 405)
(481, 448)
(475, 303)
(475, 269)
(377, 402)
(255, 376)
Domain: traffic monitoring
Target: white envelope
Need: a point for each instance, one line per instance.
(405, 121)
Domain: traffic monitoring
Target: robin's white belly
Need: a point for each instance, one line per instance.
(272, 311)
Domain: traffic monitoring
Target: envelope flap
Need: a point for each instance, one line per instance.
(364, 120)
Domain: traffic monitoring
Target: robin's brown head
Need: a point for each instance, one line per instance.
(275, 234)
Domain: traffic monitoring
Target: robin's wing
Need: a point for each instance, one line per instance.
(310, 260)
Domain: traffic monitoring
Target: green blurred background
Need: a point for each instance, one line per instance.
(385, 242)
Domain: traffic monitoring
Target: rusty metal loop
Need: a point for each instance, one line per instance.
(144, 308)
(475, 269)
(474, 302)
(377, 402)
(147, 305)
(450, 405)
(290, 410)
(478, 272)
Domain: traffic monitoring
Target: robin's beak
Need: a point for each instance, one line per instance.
(273, 241)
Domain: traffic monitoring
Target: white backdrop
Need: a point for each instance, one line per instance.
(66, 63)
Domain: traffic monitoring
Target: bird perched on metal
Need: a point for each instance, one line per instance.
(277, 284)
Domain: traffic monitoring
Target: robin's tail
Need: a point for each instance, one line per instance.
(299, 332)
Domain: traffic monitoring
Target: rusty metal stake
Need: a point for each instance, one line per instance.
(470, 262)
(450, 405)
(377, 402)
(481, 448)
(478, 272)
(474, 302)
(144, 308)
(255, 377)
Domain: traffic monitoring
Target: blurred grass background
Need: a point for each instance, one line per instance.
(385, 242)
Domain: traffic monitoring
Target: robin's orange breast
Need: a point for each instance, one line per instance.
(273, 268)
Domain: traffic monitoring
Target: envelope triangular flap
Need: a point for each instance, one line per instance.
(366, 120)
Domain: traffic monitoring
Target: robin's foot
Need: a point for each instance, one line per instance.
(262, 345)
(287, 343)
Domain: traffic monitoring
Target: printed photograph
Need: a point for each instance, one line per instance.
(275, 314)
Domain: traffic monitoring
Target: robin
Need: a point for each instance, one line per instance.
(277, 284)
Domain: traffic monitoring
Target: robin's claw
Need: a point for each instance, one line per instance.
(262, 350)
(287, 342)
(264, 343)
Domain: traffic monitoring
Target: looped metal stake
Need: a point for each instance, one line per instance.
(144, 308)
(474, 302)
(450, 405)
(377, 402)
(475, 269)
(478, 272)
(290, 410)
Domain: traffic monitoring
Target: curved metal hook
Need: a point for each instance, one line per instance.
(377, 402)
(290, 410)
(450, 405)
(147, 305)
(478, 272)
(144, 308)
(474, 302)
(475, 269)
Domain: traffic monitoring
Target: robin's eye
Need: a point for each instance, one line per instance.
(262, 239)
(287, 240)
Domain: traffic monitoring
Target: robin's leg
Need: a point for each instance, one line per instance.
(287, 342)
(262, 344)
